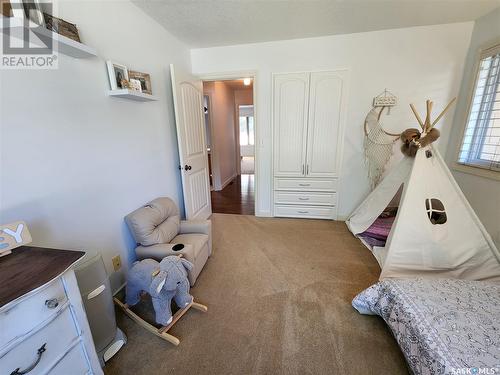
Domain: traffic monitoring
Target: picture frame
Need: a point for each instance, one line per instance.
(61, 27)
(34, 12)
(6, 8)
(117, 73)
(145, 80)
(135, 84)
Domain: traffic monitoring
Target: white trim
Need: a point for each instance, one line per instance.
(483, 51)
(214, 160)
(476, 170)
(228, 181)
(226, 76)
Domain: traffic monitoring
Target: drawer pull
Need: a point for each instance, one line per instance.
(52, 303)
(39, 354)
(303, 212)
(304, 184)
(303, 199)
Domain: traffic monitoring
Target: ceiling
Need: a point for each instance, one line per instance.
(208, 23)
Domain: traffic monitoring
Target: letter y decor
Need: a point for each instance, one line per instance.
(13, 235)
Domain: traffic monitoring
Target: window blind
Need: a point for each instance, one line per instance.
(481, 141)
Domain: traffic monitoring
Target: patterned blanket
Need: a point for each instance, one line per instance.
(378, 232)
(442, 326)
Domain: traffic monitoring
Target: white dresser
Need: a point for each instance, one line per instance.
(43, 326)
(308, 118)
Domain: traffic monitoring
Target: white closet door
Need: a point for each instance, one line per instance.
(290, 123)
(324, 124)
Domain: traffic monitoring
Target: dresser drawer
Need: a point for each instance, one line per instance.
(309, 212)
(305, 184)
(74, 362)
(31, 311)
(58, 336)
(304, 198)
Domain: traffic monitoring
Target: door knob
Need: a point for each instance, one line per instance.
(187, 167)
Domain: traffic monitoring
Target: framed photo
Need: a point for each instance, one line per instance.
(61, 27)
(29, 9)
(135, 84)
(6, 8)
(145, 80)
(117, 73)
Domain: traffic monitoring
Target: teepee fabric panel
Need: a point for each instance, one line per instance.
(457, 248)
(364, 216)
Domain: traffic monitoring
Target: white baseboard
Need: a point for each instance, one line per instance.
(225, 183)
(263, 214)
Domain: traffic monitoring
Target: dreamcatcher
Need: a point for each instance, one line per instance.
(378, 143)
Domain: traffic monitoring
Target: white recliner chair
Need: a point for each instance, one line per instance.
(157, 228)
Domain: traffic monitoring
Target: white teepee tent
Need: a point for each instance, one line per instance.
(458, 248)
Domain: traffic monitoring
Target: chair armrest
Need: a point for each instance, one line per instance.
(198, 226)
(158, 252)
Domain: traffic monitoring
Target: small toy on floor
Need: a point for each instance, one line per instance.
(164, 281)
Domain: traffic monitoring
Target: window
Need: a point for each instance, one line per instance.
(435, 211)
(247, 136)
(481, 142)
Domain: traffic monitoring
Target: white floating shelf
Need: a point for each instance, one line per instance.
(62, 44)
(132, 95)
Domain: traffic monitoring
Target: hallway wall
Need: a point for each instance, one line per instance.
(224, 167)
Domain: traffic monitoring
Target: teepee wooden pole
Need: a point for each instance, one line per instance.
(443, 112)
(417, 116)
(427, 123)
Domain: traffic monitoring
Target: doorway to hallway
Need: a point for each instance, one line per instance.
(230, 124)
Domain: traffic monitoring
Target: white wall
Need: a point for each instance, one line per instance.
(415, 63)
(482, 193)
(223, 132)
(74, 162)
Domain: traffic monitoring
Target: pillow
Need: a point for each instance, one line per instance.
(155, 223)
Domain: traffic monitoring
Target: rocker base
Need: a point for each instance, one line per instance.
(162, 331)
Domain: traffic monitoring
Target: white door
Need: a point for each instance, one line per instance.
(324, 123)
(188, 105)
(290, 123)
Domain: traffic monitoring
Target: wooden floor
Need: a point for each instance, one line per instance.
(236, 198)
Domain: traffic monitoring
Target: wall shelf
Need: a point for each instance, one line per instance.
(132, 95)
(62, 44)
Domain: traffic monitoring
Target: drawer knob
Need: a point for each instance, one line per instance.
(304, 184)
(303, 199)
(39, 354)
(52, 303)
(303, 212)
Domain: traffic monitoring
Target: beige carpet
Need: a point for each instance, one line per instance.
(279, 295)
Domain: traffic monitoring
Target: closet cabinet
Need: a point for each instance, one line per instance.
(307, 118)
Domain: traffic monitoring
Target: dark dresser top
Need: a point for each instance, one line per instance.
(29, 267)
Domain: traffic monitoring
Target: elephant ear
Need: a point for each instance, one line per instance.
(157, 284)
(187, 264)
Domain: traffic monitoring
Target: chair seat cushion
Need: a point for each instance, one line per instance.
(197, 240)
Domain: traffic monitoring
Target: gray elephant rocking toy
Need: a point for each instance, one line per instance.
(164, 281)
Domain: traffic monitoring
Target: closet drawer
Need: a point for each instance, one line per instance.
(56, 337)
(305, 184)
(304, 198)
(31, 311)
(309, 212)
